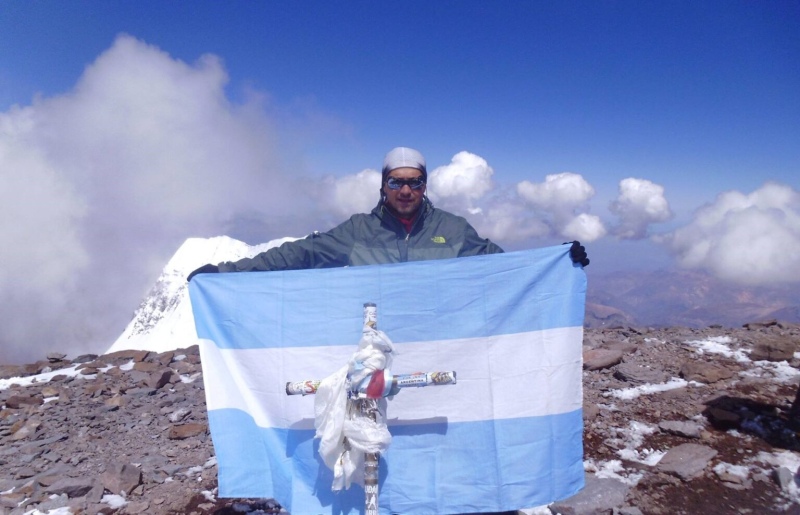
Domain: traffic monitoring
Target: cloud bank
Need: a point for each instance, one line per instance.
(555, 208)
(103, 183)
(751, 239)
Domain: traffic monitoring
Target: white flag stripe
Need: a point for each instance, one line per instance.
(499, 377)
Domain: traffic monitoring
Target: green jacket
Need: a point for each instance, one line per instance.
(374, 238)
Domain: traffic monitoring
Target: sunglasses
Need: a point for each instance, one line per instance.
(395, 184)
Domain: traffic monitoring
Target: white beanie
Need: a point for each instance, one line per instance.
(404, 157)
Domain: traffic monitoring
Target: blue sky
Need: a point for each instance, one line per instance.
(672, 90)
(126, 127)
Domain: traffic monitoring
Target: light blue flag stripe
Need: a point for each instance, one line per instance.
(479, 296)
(439, 466)
(435, 468)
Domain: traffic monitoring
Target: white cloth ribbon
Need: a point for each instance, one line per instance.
(346, 433)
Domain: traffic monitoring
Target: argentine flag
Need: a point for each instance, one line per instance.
(508, 435)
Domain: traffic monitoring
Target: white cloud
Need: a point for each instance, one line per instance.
(467, 177)
(563, 199)
(102, 183)
(746, 238)
(584, 227)
(639, 204)
(507, 221)
(561, 192)
(344, 196)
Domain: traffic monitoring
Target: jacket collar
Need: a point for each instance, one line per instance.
(384, 214)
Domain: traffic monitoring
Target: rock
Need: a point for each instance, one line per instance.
(20, 401)
(760, 325)
(49, 391)
(140, 392)
(85, 358)
(686, 461)
(159, 379)
(600, 495)
(722, 418)
(681, 428)
(76, 487)
(731, 479)
(28, 430)
(121, 478)
(774, 349)
(55, 357)
(598, 359)
(626, 347)
(125, 355)
(53, 503)
(179, 415)
(784, 477)
(590, 411)
(147, 367)
(640, 374)
(704, 372)
(9, 371)
(186, 431)
(137, 507)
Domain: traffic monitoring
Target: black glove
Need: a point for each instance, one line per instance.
(577, 253)
(205, 269)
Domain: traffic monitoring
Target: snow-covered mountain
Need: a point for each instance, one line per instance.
(164, 319)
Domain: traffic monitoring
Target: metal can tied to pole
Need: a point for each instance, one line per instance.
(370, 315)
(308, 387)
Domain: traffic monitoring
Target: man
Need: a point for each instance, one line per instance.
(404, 226)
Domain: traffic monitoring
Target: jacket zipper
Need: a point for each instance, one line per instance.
(407, 239)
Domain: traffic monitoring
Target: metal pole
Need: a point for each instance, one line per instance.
(370, 408)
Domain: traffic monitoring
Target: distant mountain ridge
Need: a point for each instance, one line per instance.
(688, 298)
(662, 298)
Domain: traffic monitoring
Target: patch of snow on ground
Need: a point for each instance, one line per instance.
(789, 460)
(194, 470)
(649, 457)
(646, 389)
(734, 470)
(186, 378)
(44, 377)
(58, 511)
(612, 469)
(718, 345)
(629, 439)
(115, 501)
(780, 371)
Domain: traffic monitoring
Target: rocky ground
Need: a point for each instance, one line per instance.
(678, 421)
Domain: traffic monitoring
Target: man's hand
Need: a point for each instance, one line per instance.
(205, 269)
(577, 253)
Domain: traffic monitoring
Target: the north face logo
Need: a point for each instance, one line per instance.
(438, 239)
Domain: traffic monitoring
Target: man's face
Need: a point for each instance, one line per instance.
(405, 202)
